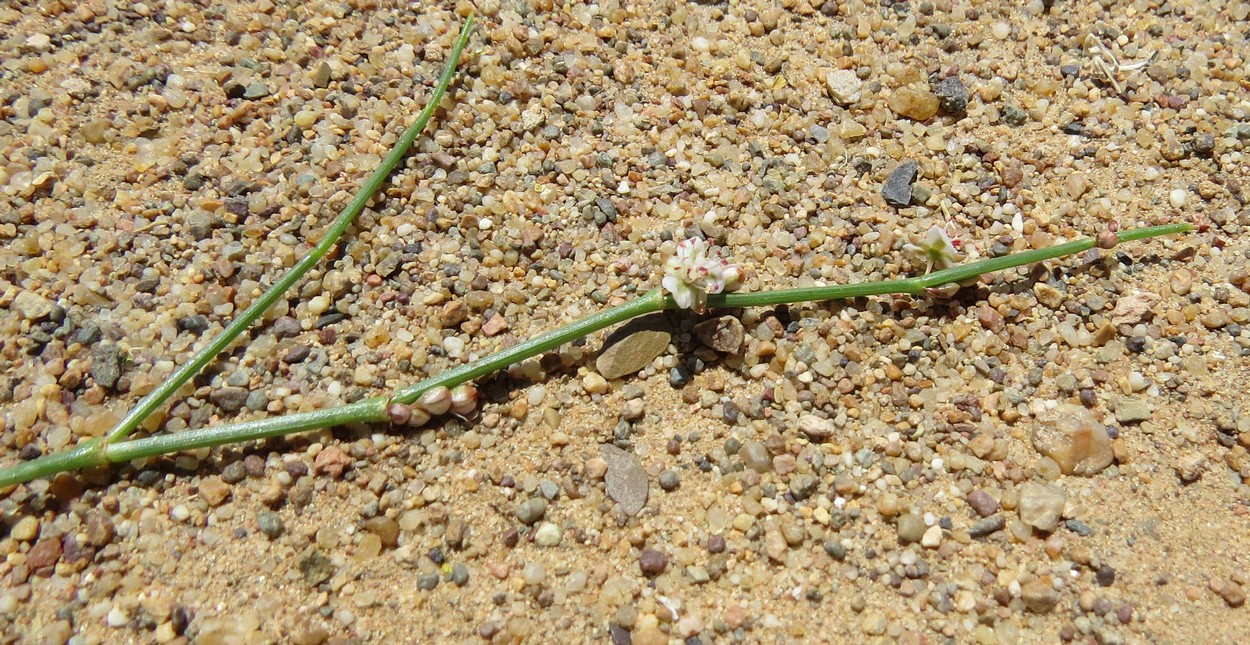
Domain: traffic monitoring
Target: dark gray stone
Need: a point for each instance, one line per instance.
(106, 365)
(897, 188)
(952, 96)
(229, 399)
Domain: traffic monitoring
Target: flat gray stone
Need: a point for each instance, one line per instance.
(632, 347)
(897, 188)
(626, 479)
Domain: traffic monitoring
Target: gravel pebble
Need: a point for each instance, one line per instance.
(270, 524)
(25, 529)
(1039, 595)
(106, 365)
(652, 562)
(910, 528)
(1074, 439)
(229, 399)
(756, 457)
(723, 334)
(914, 103)
(626, 480)
(1041, 505)
(897, 188)
(844, 86)
(631, 349)
(531, 510)
(952, 96)
(547, 534)
(1132, 410)
(983, 503)
(32, 306)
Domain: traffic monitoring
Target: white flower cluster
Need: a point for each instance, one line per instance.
(936, 251)
(691, 273)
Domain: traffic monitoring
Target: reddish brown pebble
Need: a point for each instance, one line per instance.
(254, 466)
(495, 326)
(45, 553)
(982, 503)
(652, 562)
(331, 461)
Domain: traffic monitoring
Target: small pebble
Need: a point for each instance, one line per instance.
(117, 617)
(756, 457)
(652, 562)
(25, 529)
(897, 189)
(669, 481)
(548, 534)
(913, 103)
(626, 480)
(531, 510)
(910, 528)
(844, 86)
(1041, 505)
(952, 96)
(270, 524)
(534, 574)
(1074, 438)
(1039, 595)
(983, 503)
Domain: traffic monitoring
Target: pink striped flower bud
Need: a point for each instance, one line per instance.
(436, 401)
(464, 399)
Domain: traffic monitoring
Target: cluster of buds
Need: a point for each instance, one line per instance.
(691, 273)
(437, 401)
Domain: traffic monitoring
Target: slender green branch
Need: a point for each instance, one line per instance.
(202, 358)
(936, 279)
(371, 410)
(85, 455)
(650, 302)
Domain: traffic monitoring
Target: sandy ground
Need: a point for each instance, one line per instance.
(164, 161)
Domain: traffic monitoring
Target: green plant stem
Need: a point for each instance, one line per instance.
(157, 397)
(650, 302)
(936, 279)
(373, 410)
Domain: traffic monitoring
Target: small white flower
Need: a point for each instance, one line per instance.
(690, 275)
(937, 251)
